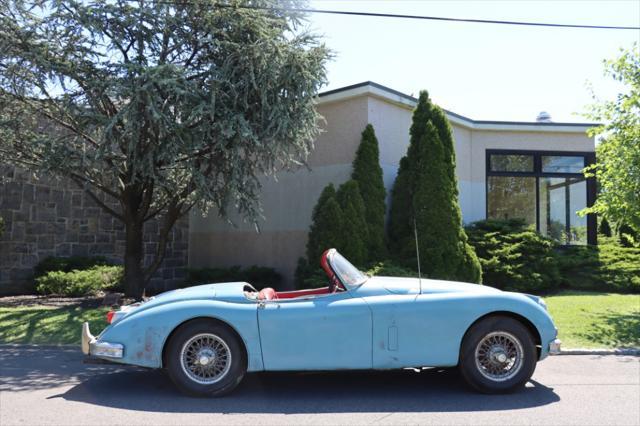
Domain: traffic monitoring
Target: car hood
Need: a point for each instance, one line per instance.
(397, 285)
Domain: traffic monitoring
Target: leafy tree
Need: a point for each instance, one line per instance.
(426, 194)
(617, 167)
(368, 173)
(353, 227)
(156, 107)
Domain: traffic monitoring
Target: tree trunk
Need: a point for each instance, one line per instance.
(134, 279)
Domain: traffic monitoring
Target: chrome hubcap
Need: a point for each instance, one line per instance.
(205, 358)
(499, 356)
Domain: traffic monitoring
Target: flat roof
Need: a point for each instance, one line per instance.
(402, 99)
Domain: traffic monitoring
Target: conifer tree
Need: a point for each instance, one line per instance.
(426, 194)
(368, 173)
(353, 227)
(325, 225)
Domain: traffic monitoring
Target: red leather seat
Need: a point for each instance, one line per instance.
(267, 293)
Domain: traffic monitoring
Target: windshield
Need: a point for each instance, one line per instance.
(348, 274)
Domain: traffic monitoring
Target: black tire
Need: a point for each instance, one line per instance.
(214, 386)
(506, 379)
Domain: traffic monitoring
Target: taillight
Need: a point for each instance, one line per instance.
(110, 315)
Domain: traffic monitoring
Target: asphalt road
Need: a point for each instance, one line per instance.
(52, 386)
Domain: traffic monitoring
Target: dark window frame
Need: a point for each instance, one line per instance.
(589, 159)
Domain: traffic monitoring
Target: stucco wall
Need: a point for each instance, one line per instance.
(287, 203)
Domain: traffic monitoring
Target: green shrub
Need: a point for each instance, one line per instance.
(389, 269)
(325, 229)
(606, 267)
(258, 276)
(514, 257)
(80, 283)
(353, 228)
(368, 173)
(425, 196)
(68, 264)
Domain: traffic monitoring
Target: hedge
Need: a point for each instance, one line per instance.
(68, 264)
(80, 282)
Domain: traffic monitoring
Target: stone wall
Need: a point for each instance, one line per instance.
(53, 217)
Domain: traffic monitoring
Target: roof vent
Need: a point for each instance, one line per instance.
(543, 117)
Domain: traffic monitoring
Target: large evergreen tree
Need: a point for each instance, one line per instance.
(325, 230)
(368, 173)
(426, 194)
(156, 107)
(353, 227)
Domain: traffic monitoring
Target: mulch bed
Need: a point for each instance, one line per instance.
(61, 302)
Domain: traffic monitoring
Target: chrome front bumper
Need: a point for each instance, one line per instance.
(554, 347)
(92, 346)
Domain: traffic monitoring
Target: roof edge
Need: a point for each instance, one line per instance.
(378, 90)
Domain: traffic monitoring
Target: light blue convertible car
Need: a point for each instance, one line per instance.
(207, 337)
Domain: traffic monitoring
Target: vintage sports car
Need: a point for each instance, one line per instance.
(207, 337)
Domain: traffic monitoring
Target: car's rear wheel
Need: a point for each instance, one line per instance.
(498, 355)
(205, 358)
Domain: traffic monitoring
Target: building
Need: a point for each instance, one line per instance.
(505, 169)
(530, 170)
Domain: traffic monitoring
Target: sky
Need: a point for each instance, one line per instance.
(482, 71)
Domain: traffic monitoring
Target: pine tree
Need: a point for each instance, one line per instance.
(325, 225)
(425, 193)
(368, 173)
(353, 244)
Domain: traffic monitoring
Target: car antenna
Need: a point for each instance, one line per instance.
(415, 232)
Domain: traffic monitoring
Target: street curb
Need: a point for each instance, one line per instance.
(621, 351)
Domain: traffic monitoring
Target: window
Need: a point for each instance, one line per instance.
(511, 163)
(511, 197)
(562, 164)
(546, 190)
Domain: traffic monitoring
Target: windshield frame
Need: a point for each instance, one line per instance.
(333, 258)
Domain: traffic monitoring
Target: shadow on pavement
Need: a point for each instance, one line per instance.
(293, 393)
(24, 368)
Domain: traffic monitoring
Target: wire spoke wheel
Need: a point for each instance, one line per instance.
(499, 356)
(205, 358)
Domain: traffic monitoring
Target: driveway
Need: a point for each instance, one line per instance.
(52, 386)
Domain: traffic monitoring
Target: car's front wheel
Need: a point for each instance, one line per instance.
(205, 358)
(498, 355)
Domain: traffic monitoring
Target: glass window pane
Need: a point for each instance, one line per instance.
(560, 200)
(511, 163)
(512, 197)
(562, 164)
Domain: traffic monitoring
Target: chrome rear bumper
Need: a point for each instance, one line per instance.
(554, 347)
(91, 346)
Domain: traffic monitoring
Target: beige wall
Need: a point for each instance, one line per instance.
(288, 202)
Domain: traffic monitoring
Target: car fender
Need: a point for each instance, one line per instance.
(428, 329)
(145, 333)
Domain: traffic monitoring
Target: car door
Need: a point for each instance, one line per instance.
(324, 332)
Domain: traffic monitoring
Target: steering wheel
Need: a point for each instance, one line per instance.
(334, 284)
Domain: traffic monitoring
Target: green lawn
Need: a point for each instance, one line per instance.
(596, 320)
(46, 325)
(585, 320)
